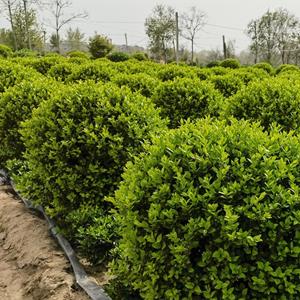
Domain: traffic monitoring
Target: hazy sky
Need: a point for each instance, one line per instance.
(114, 18)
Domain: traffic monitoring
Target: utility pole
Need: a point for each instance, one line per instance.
(26, 25)
(44, 35)
(177, 37)
(126, 42)
(224, 47)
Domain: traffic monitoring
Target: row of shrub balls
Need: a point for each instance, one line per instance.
(185, 180)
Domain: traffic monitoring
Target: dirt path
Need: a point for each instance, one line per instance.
(31, 265)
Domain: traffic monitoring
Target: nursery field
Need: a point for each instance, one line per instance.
(182, 180)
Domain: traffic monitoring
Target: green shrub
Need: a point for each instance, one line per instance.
(203, 73)
(91, 71)
(5, 51)
(12, 74)
(265, 66)
(99, 46)
(219, 70)
(250, 74)
(16, 105)
(271, 100)
(139, 82)
(170, 72)
(77, 144)
(211, 211)
(287, 68)
(227, 85)
(186, 98)
(140, 56)
(118, 56)
(231, 63)
(78, 54)
(25, 53)
(215, 63)
(44, 64)
(61, 71)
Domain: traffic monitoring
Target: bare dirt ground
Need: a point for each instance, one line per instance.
(31, 265)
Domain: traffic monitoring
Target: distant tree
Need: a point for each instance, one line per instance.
(214, 55)
(54, 41)
(273, 34)
(230, 49)
(191, 23)
(22, 31)
(6, 38)
(161, 29)
(74, 38)
(8, 7)
(99, 46)
(58, 10)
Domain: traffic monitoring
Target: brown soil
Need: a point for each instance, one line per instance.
(31, 265)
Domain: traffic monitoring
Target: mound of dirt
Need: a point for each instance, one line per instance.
(31, 265)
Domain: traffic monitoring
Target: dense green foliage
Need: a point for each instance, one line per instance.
(268, 101)
(76, 146)
(227, 85)
(140, 56)
(211, 211)
(187, 99)
(16, 105)
(11, 74)
(62, 71)
(5, 51)
(99, 46)
(265, 66)
(139, 82)
(78, 54)
(92, 71)
(170, 72)
(118, 56)
(230, 63)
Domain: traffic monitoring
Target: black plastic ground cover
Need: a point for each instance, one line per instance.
(95, 291)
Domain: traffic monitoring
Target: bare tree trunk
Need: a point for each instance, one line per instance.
(164, 51)
(12, 24)
(57, 40)
(192, 50)
(26, 25)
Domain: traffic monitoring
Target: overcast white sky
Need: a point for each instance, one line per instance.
(114, 18)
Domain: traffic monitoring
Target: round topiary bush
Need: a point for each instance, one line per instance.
(98, 72)
(140, 56)
(77, 144)
(227, 85)
(264, 66)
(212, 64)
(25, 53)
(5, 51)
(271, 100)
(211, 211)
(139, 82)
(13, 73)
(287, 68)
(61, 72)
(43, 64)
(172, 71)
(16, 105)
(250, 74)
(78, 54)
(185, 98)
(231, 63)
(118, 56)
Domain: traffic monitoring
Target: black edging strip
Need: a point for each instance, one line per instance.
(95, 291)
